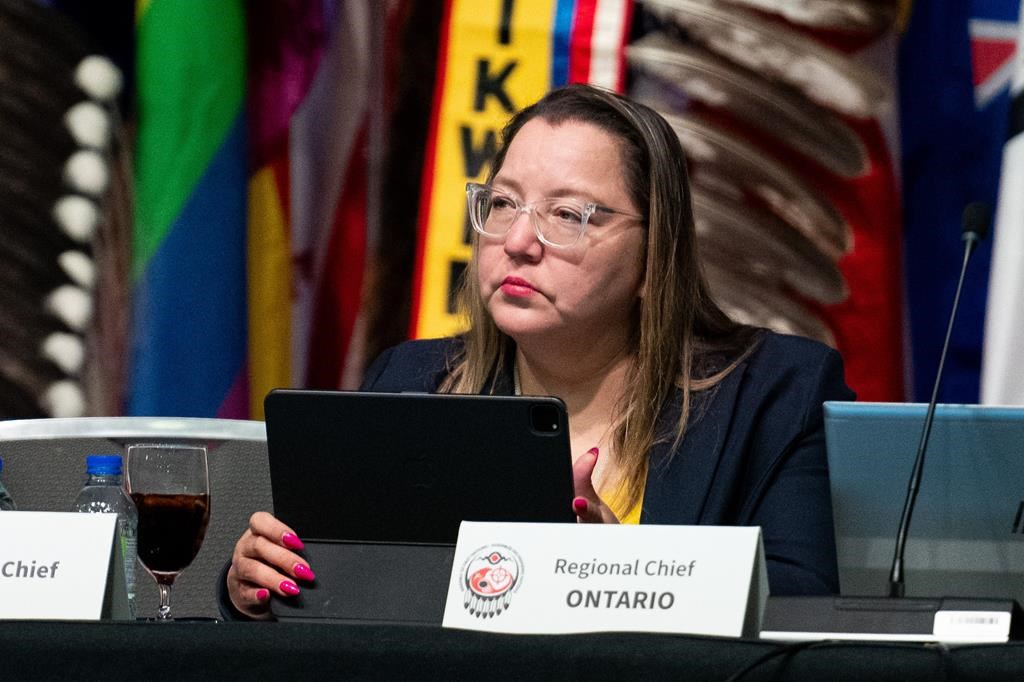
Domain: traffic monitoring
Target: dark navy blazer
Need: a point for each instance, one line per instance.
(753, 453)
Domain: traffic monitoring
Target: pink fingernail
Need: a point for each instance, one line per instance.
(262, 595)
(303, 572)
(580, 505)
(593, 451)
(292, 541)
(289, 588)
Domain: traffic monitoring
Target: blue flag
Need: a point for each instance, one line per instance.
(955, 69)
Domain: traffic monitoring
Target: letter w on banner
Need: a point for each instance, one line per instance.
(495, 57)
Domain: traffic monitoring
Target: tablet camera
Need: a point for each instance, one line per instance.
(544, 418)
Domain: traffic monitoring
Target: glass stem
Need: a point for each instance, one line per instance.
(164, 612)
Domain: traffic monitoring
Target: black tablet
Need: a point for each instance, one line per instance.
(410, 467)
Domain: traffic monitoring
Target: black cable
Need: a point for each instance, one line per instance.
(788, 650)
(782, 650)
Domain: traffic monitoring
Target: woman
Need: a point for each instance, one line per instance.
(584, 284)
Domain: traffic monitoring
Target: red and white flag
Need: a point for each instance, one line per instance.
(1002, 379)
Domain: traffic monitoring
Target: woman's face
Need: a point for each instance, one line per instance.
(581, 295)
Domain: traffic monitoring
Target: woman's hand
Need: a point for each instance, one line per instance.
(587, 504)
(264, 563)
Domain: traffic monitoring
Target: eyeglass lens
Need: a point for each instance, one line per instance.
(559, 221)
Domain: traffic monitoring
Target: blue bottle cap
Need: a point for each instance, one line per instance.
(103, 465)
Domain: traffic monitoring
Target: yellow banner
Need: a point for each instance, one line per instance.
(496, 61)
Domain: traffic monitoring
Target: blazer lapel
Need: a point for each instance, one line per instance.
(678, 483)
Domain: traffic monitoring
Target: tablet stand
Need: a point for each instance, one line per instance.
(372, 582)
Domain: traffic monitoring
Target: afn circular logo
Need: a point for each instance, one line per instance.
(489, 577)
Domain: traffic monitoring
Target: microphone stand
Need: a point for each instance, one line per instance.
(896, 576)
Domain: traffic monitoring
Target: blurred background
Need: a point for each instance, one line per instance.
(201, 200)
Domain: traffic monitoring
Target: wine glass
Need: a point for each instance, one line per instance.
(170, 487)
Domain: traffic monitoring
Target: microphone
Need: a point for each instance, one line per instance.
(895, 617)
(975, 222)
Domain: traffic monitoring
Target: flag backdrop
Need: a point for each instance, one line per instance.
(954, 73)
(288, 41)
(496, 57)
(254, 212)
(251, 217)
(1003, 375)
(331, 177)
(189, 340)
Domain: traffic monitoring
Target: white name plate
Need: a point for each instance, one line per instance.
(57, 566)
(563, 578)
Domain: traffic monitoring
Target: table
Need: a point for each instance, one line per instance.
(213, 650)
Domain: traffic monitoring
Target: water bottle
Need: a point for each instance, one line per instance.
(6, 503)
(103, 494)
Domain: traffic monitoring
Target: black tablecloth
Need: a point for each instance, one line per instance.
(208, 650)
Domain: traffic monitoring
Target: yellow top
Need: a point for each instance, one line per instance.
(616, 500)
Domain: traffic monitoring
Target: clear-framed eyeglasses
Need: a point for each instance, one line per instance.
(558, 222)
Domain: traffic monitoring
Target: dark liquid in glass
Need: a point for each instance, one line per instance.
(171, 531)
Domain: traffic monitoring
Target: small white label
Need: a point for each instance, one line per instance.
(55, 565)
(986, 626)
(562, 578)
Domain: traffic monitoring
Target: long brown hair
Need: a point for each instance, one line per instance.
(682, 338)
